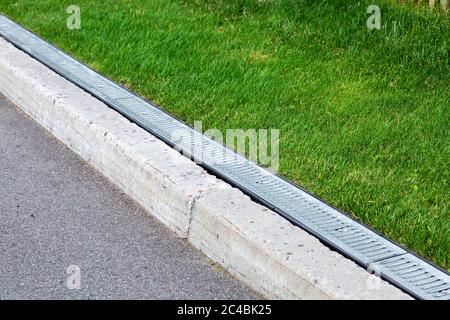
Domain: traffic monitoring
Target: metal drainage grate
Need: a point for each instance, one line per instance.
(415, 274)
(352, 239)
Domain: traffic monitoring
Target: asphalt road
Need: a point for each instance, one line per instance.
(67, 233)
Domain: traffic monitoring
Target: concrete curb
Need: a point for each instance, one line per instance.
(253, 243)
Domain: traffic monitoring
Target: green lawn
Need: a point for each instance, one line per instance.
(363, 115)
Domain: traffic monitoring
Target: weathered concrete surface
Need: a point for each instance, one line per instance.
(57, 211)
(280, 263)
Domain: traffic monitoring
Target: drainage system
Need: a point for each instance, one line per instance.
(354, 240)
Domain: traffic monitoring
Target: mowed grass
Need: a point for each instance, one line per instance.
(363, 115)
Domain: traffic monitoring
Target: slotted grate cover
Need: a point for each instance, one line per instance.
(354, 240)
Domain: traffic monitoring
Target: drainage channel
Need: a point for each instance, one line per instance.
(417, 277)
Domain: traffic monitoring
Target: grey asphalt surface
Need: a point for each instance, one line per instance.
(56, 211)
